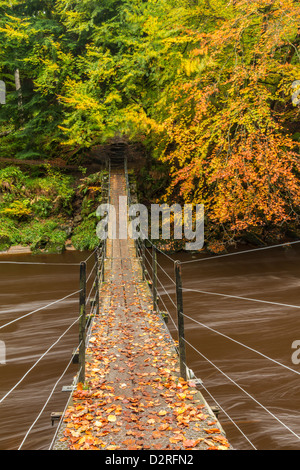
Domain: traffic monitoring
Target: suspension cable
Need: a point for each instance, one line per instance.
(46, 403)
(241, 344)
(92, 270)
(232, 421)
(167, 310)
(170, 298)
(41, 308)
(241, 252)
(88, 335)
(172, 280)
(241, 298)
(243, 390)
(160, 251)
(61, 419)
(94, 251)
(93, 284)
(39, 359)
(149, 264)
(33, 263)
(89, 295)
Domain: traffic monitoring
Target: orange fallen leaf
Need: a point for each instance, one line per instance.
(151, 421)
(175, 439)
(128, 442)
(98, 424)
(190, 443)
(112, 418)
(164, 427)
(212, 431)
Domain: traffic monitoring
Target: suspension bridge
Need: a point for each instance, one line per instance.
(134, 389)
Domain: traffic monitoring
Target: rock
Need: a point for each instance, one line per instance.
(39, 244)
(5, 242)
(66, 228)
(77, 219)
(254, 239)
(55, 247)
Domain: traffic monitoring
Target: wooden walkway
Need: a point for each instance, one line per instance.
(134, 398)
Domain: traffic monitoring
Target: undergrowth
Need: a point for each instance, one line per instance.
(48, 209)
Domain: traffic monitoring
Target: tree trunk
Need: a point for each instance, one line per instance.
(20, 96)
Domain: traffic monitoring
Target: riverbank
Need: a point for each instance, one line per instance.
(48, 211)
(19, 250)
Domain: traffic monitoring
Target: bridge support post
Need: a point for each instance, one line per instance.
(143, 258)
(180, 319)
(154, 278)
(82, 322)
(97, 280)
(103, 259)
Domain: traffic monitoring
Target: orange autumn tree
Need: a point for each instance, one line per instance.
(230, 135)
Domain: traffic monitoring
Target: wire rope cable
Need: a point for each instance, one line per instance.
(241, 344)
(41, 308)
(241, 298)
(230, 419)
(243, 390)
(39, 359)
(240, 252)
(46, 403)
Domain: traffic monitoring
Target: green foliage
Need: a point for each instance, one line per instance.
(8, 233)
(38, 211)
(54, 188)
(44, 235)
(17, 209)
(42, 206)
(84, 237)
(11, 179)
(25, 204)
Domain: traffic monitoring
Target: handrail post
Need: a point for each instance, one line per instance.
(109, 170)
(154, 278)
(97, 280)
(104, 254)
(180, 319)
(125, 167)
(143, 258)
(136, 248)
(82, 322)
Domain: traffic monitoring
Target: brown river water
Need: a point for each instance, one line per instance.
(272, 390)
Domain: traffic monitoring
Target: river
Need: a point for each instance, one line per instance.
(25, 288)
(265, 390)
(272, 391)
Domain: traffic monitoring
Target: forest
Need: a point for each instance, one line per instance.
(208, 88)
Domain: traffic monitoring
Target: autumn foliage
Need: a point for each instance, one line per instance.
(230, 138)
(207, 87)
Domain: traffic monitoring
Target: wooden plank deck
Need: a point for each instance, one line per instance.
(134, 398)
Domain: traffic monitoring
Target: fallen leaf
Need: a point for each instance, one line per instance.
(190, 443)
(212, 431)
(151, 421)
